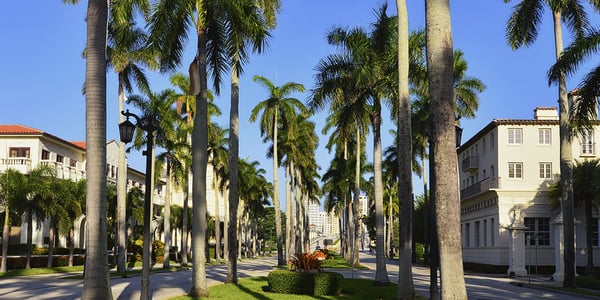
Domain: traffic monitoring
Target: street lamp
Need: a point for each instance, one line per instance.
(126, 130)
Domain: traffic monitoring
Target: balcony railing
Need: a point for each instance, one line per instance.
(470, 163)
(480, 187)
(20, 164)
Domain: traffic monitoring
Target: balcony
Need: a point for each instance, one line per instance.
(20, 164)
(480, 187)
(470, 164)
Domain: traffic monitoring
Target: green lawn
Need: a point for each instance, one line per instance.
(252, 288)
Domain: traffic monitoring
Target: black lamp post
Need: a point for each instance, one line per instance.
(126, 130)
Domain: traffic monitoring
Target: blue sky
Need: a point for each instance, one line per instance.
(42, 70)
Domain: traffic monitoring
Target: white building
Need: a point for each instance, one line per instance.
(505, 171)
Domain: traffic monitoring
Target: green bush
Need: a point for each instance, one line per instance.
(39, 251)
(327, 283)
(305, 283)
(18, 249)
(158, 251)
(290, 282)
(419, 251)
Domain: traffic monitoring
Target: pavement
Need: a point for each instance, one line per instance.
(170, 284)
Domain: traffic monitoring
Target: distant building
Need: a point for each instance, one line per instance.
(505, 171)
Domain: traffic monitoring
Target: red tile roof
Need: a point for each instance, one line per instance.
(17, 129)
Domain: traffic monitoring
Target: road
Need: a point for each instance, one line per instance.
(170, 284)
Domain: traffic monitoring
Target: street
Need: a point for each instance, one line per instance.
(170, 284)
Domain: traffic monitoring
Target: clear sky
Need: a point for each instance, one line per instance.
(42, 70)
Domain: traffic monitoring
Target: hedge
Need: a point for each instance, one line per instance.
(305, 283)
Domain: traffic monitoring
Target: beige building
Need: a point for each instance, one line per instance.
(24, 148)
(505, 171)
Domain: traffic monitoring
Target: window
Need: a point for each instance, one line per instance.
(19, 152)
(537, 232)
(45, 155)
(515, 170)
(491, 141)
(485, 233)
(587, 143)
(72, 163)
(477, 234)
(492, 233)
(467, 232)
(59, 158)
(492, 172)
(515, 136)
(483, 147)
(545, 170)
(544, 136)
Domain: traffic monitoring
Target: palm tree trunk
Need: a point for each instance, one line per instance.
(50, 242)
(566, 164)
(356, 259)
(96, 280)
(199, 286)
(276, 203)
(71, 246)
(5, 238)
(406, 289)
(439, 64)
(233, 177)
(121, 190)
(381, 276)
(184, 217)
(226, 225)
(217, 215)
(167, 215)
(289, 215)
(29, 238)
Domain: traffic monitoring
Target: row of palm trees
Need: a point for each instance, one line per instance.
(213, 20)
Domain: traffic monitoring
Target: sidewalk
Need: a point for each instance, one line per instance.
(170, 284)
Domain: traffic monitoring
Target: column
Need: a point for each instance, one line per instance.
(516, 253)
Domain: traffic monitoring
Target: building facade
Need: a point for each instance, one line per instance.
(505, 171)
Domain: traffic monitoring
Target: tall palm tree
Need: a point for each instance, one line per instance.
(373, 58)
(219, 154)
(245, 30)
(128, 55)
(276, 111)
(521, 30)
(440, 78)
(406, 289)
(186, 104)
(169, 26)
(96, 282)
(12, 193)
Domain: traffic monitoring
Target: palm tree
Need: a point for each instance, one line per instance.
(249, 30)
(406, 289)
(219, 154)
(276, 110)
(96, 280)
(12, 193)
(127, 55)
(372, 55)
(583, 110)
(586, 175)
(169, 25)
(521, 30)
(186, 103)
(445, 190)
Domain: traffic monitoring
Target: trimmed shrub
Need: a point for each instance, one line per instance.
(327, 283)
(158, 251)
(305, 283)
(290, 282)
